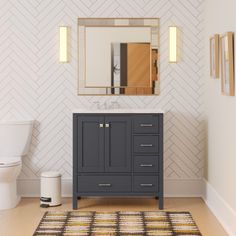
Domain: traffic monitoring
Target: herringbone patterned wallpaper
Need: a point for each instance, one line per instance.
(34, 84)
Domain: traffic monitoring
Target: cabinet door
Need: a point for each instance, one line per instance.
(91, 143)
(118, 143)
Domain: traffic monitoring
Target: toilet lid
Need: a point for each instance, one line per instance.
(9, 161)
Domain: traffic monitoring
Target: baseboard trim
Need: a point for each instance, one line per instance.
(172, 187)
(31, 187)
(183, 187)
(221, 209)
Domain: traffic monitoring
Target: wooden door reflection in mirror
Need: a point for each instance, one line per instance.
(118, 56)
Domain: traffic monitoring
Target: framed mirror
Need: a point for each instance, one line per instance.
(118, 56)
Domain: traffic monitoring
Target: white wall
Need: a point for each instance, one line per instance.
(221, 110)
(34, 84)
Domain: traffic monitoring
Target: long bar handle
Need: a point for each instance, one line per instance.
(104, 185)
(146, 185)
(146, 165)
(146, 125)
(146, 145)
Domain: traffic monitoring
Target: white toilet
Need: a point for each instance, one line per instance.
(15, 139)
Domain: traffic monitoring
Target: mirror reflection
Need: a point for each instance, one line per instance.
(118, 56)
(132, 67)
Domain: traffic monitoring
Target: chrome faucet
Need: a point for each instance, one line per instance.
(96, 105)
(105, 105)
(115, 104)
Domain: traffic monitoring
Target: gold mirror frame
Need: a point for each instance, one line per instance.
(153, 23)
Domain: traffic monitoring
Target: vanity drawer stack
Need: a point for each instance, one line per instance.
(118, 155)
(147, 154)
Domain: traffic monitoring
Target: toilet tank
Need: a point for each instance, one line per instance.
(15, 138)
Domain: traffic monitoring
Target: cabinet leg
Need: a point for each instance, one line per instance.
(79, 198)
(161, 203)
(156, 197)
(75, 203)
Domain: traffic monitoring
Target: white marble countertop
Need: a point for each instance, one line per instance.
(119, 110)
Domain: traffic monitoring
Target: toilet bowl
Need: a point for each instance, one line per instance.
(15, 138)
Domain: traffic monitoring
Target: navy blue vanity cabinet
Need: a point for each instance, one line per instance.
(118, 155)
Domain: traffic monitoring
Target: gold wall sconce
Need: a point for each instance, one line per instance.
(63, 44)
(173, 44)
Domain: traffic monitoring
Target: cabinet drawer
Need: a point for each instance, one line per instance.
(146, 144)
(145, 124)
(145, 184)
(104, 183)
(146, 164)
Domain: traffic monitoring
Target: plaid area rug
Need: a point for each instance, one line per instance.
(85, 223)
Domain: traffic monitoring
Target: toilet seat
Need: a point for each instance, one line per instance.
(9, 161)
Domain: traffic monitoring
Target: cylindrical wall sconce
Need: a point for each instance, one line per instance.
(63, 45)
(173, 47)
